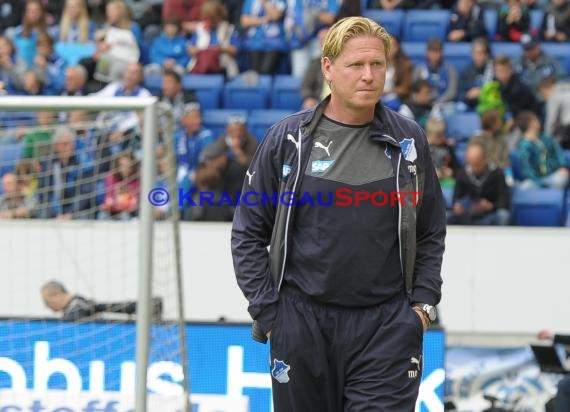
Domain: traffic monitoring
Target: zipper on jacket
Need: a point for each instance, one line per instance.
(285, 236)
(400, 218)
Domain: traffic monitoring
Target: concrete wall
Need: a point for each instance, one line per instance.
(496, 280)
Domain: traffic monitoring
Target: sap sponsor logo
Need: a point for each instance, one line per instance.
(63, 401)
(321, 166)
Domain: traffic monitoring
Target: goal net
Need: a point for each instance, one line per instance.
(80, 312)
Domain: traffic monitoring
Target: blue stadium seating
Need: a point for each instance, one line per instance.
(153, 83)
(73, 52)
(567, 155)
(208, 88)
(260, 120)
(515, 165)
(512, 50)
(559, 50)
(391, 20)
(458, 54)
(420, 25)
(460, 149)
(217, 119)
(537, 207)
(461, 126)
(416, 51)
(568, 208)
(285, 93)
(10, 153)
(490, 20)
(238, 94)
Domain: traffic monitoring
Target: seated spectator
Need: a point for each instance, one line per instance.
(513, 21)
(122, 189)
(535, 65)
(541, 159)
(172, 94)
(25, 35)
(481, 196)
(64, 182)
(14, 203)
(75, 307)
(168, 49)
(516, 95)
(129, 86)
(214, 43)
(477, 74)
(302, 22)
(556, 22)
(87, 142)
(75, 25)
(187, 10)
(11, 68)
(264, 38)
(557, 116)
(442, 76)
(37, 142)
(49, 65)
(117, 45)
(74, 81)
(26, 171)
(466, 22)
(313, 85)
(189, 142)
(442, 154)
(419, 105)
(493, 139)
(399, 73)
(241, 143)
(32, 84)
(10, 14)
(407, 4)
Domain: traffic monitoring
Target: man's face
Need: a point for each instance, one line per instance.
(170, 87)
(53, 300)
(423, 96)
(192, 121)
(434, 56)
(9, 184)
(475, 159)
(64, 148)
(73, 80)
(479, 55)
(532, 53)
(503, 73)
(464, 6)
(358, 73)
(133, 75)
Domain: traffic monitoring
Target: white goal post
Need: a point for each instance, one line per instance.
(149, 105)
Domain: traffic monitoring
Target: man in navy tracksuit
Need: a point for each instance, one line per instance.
(348, 200)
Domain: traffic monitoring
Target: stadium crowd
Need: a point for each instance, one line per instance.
(516, 106)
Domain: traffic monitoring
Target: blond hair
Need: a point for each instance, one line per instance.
(82, 22)
(349, 28)
(124, 14)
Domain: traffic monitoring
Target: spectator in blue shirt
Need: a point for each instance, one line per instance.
(264, 38)
(189, 142)
(168, 50)
(49, 65)
(466, 22)
(541, 159)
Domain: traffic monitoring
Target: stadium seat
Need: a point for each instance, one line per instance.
(490, 20)
(240, 94)
(416, 51)
(568, 208)
(391, 20)
(537, 207)
(513, 50)
(208, 88)
(421, 25)
(10, 153)
(217, 119)
(457, 54)
(561, 51)
(153, 83)
(460, 149)
(461, 126)
(567, 155)
(260, 120)
(285, 93)
(73, 52)
(536, 17)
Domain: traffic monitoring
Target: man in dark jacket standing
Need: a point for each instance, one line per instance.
(348, 200)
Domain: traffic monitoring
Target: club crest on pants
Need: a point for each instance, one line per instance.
(280, 371)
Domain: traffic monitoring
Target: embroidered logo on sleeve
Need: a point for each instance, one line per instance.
(409, 149)
(280, 371)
